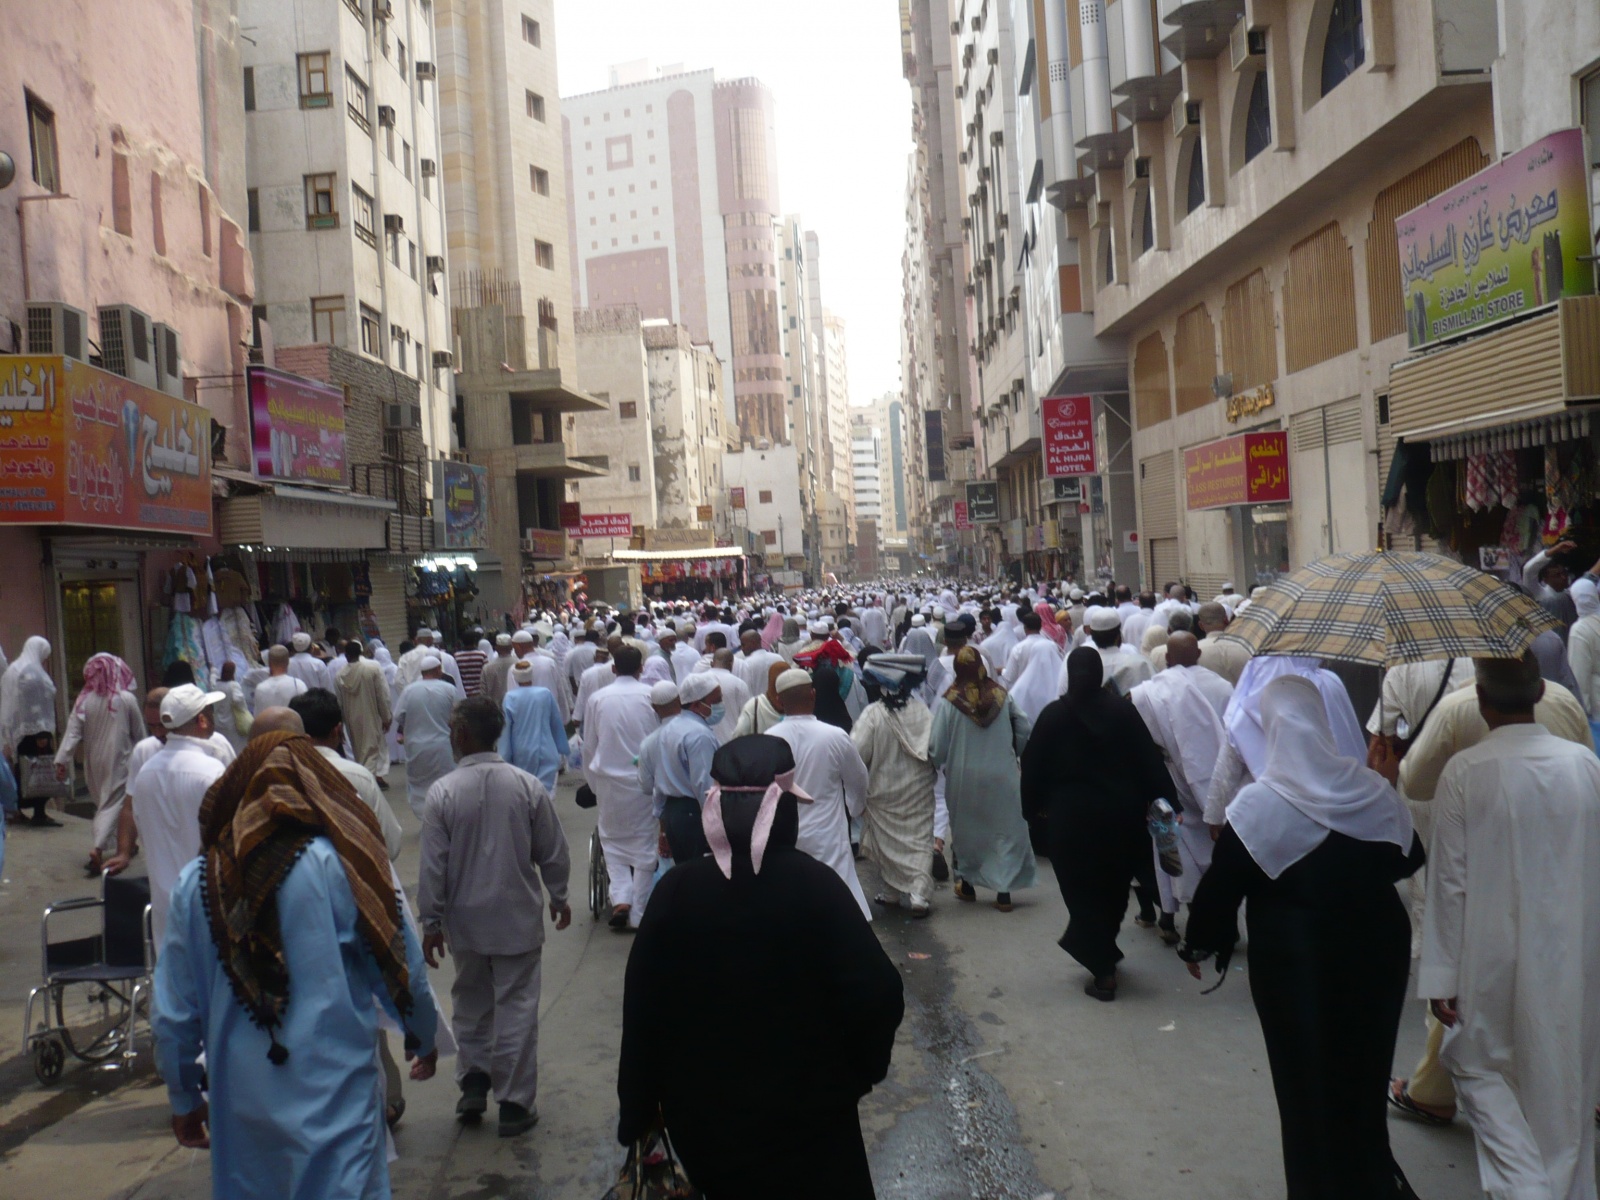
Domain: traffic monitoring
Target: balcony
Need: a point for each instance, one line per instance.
(550, 460)
(1200, 27)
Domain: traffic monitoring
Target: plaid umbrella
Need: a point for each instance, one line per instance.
(1388, 608)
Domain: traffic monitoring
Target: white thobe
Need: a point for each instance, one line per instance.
(997, 648)
(828, 768)
(423, 718)
(547, 675)
(598, 676)
(734, 697)
(1034, 645)
(684, 658)
(226, 713)
(166, 808)
(1188, 728)
(875, 627)
(452, 671)
(658, 668)
(753, 669)
(496, 677)
(276, 691)
(579, 659)
(1409, 688)
(616, 721)
(309, 669)
(109, 727)
(1124, 667)
(1134, 626)
(147, 748)
(1212, 686)
(1583, 655)
(1510, 932)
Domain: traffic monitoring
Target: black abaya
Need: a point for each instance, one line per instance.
(1330, 953)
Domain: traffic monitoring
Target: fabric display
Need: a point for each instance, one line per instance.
(1475, 483)
(284, 624)
(184, 642)
(361, 580)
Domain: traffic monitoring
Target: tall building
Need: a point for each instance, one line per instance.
(346, 213)
(689, 429)
(866, 464)
(504, 172)
(673, 191)
(800, 358)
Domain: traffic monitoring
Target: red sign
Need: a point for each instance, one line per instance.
(1068, 424)
(1249, 468)
(963, 521)
(296, 427)
(606, 525)
(569, 515)
(735, 497)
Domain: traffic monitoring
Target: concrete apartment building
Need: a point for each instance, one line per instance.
(126, 211)
(346, 211)
(674, 196)
(504, 172)
(689, 429)
(919, 365)
(613, 368)
(800, 358)
(771, 514)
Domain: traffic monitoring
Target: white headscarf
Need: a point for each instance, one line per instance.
(27, 695)
(1308, 787)
(1243, 715)
(1585, 596)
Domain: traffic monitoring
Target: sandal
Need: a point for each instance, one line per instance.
(919, 911)
(393, 1112)
(964, 891)
(1400, 1100)
(1003, 902)
(886, 900)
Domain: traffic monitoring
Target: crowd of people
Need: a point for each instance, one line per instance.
(938, 730)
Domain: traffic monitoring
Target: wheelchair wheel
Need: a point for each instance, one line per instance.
(92, 1018)
(49, 1057)
(599, 880)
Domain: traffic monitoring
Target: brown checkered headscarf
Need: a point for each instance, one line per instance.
(256, 821)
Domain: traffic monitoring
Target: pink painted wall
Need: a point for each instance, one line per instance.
(21, 588)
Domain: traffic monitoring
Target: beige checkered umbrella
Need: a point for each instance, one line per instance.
(1390, 607)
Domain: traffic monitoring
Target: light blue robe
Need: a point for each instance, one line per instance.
(983, 789)
(533, 738)
(311, 1127)
(423, 715)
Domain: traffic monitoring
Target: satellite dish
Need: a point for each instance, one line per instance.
(8, 170)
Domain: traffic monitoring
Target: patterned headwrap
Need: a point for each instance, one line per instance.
(973, 692)
(255, 822)
(104, 675)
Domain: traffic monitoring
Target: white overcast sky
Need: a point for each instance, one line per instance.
(844, 128)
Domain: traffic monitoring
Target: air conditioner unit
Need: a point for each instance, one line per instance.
(969, 290)
(169, 360)
(997, 138)
(436, 264)
(426, 70)
(972, 129)
(966, 223)
(443, 359)
(994, 56)
(383, 10)
(402, 416)
(429, 168)
(977, 24)
(955, 28)
(385, 114)
(962, 158)
(1185, 117)
(393, 223)
(58, 329)
(126, 347)
(961, 90)
(1002, 220)
(397, 333)
(1247, 47)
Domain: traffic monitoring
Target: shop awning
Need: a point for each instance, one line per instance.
(671, 555)
(1533, 369)
(291, 518)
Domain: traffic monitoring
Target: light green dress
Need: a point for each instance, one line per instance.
(983, 790)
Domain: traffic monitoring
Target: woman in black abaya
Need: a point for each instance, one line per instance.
(1092, 769)
(1314, 848)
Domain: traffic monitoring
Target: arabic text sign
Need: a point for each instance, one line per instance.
(962, 521)
(81, 446)
(606, 525)
(983, 501)
(1068, 426)
(296, 428)
(1503, 243)
(460, 505)
(1248, 468)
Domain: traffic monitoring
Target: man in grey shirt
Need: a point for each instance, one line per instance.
(486, 827)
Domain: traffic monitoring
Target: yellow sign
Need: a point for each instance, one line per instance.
(1248, 404)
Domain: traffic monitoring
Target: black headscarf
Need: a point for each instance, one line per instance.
(830, 703)
(1086, 696)
(754, 761)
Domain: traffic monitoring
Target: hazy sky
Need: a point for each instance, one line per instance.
(844, 128)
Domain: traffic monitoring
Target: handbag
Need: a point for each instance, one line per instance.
(39, 780)
(651, 1172)
(585, 797)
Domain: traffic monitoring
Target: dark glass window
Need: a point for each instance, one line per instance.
(1195, 196)
(1344, 50)
(1147, 228)
(1258, 119)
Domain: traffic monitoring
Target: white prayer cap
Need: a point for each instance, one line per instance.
(502, 639)
(522, 671)
(301, 642)
(667, 631)
(794, 677)
(522, 638)
(1075, 594)
(186, 702)
(1227, 588)
(430, 662)
(697, 687)
(918, 620)
(820, 628)
(663, 692)
(685, 626)
(1102, 620)
(423, 632)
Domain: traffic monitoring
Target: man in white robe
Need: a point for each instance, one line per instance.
(367, 712)
(658, 663)
(525, 645)
(280, 686)
(828, 768)
(496, 677)
(615, 724)
(1183, 653)
(1033, 645)
(598, 675)
(1227, 659)
(1124, 667)
(1511, 946)
(753, 664)
(579, 659)
(305, 666)
(423, 720)
(875, 624)
(735, 695)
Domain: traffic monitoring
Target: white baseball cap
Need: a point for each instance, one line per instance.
(186, 702)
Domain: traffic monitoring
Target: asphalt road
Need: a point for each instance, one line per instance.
(1007, 1083)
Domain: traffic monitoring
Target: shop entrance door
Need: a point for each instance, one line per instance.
(100, 615)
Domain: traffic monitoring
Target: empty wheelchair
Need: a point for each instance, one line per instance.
(94, 984)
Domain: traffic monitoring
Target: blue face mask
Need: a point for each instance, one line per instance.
(718, 711)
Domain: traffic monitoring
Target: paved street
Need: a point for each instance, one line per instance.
(1007, 1081)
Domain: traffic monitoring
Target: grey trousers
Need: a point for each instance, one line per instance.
(495, 1001)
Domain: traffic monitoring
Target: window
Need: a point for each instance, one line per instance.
(371, 341)
(530, 31)
(357, 100)
(1344, 49)
(633, 473)
(394, 240)
(1258, 119)
(388, 142)
(545, 255)
(42, 143)
(411, 258)
(314, 89)
(1147, 226)
(322, 210)
(628, 410)
(249, 89)
(399, 340)
(327, 320)
(355, 7)
(540, 179)
(253, 199)
(400, 57)
(1195, 192)
(205, 218)
(769, 537)
(536, 106)
(366, 230)
(405, 158)
(763, 497)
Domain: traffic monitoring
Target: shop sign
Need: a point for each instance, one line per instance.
(460, 505)
(702, 512)
(606, 525)
(296, 428)
(1506, 242)
(736, 497)
(679, 539)
(933, 442)
(1250, 403)
(81, 446)
(963, 514)
(1248, 468)
(569, 515)
(1068, 425)
(1052, 535)
(1061, 491)
(548, 544)
(983, 502)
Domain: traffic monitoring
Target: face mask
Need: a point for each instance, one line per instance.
(718, 711)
